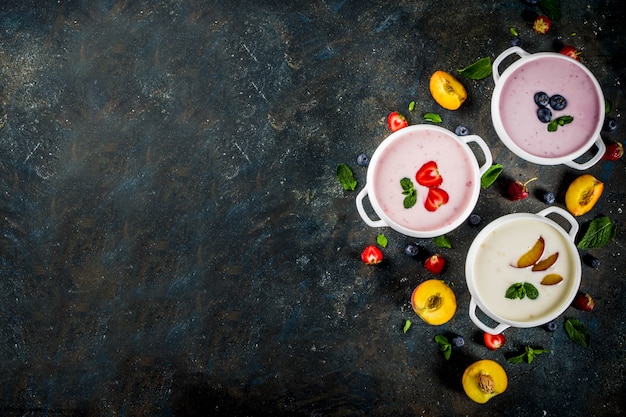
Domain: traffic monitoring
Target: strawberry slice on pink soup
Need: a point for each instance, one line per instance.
(436, 198)
(428, 175)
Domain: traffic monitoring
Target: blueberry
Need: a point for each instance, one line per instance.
(474, 219)
(544, 114)
(558, 102)
(542, 99)
(363, 160)
(458, 341)
(548, 197)
(610, 124)
(461, 130)
(412, 250)
(532, 2)
(516, 41)
(592, 261)
(551, 326)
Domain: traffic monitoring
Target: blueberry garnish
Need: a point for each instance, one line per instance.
(548, 197)
(461, 130)
(458, 341)
(558, 102)
(542, 99)
(516, 41)
(544, 114)
(411, 249)
(474, 219)
(610, 124)
(592, 261)
(363, 160)
(551, 326)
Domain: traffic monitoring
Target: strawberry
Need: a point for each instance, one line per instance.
(517, 190)
(436, 198)
(571, 52)
(542, 25)
(583, 302)
(428, 175)
(371, 255)
(435, 263)
(396, 121)
(613, 152)
(494, 341)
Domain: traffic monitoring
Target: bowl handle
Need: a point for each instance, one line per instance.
(361, 210)
(496, 63)
(585, 165)
(570, 219)
(484, 148)
(482, 326)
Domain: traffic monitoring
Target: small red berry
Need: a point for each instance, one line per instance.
(583, 302)
(613, 152)
(542, 25)
(435, 263)
(517, 190)
(494, 341)
(571, 52)
(396, 121)
(371, 255)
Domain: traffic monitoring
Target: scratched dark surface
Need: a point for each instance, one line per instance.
(174, 240)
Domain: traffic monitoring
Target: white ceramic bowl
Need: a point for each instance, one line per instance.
(400, 156)
(514, 112)
(490, 270)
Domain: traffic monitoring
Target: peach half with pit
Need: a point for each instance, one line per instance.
(483, 380)
(434, 302)
(447, 91)
(582, 194)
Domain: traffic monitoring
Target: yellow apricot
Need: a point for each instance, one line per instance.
(483, 380)
(582, 194)
(447, 91)
(434, 302)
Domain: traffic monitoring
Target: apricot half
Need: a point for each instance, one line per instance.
(434, 302)
(483, 380)
(447, 91)
(582, 194)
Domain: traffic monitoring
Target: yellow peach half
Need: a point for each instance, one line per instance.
(483, 380)
(582, 194)
(447, 91)
(434, 302)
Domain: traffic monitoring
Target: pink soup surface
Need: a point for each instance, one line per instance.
(404, 157)
(518, 111)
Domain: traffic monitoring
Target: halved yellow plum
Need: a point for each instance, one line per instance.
(582, 194)
(483, 380)
(447, 91)
(434, 302)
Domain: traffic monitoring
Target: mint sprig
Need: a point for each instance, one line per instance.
(521, 290)
(382, 240)
(444, 345)
(528, 355)
(577, 332)
(408, 190)
(433, 117)
(559, 121)
(478, 70)
(442, 242)
(600, 232)
(346, 177)
(490, 176)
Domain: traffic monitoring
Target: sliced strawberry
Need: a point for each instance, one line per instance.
(436, 198)
(371, 255)
(428, 175)
(435, 263)
(614, 151)
(542, 25)
(571, 52)
(494, 341)
(396, 121)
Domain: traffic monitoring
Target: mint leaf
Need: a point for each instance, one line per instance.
(490, 176)
(528, 355)
(432, 117)
(346, 177)
(411, 106)
(442, 242)
(531, 291)
(478, 70)
(521, 290)
(444, 345)
(551, 8)
(382, 240)
(407, 325)
(577, 332)
(600, 232)
(513, 31)
(408, 190)
(559, 121)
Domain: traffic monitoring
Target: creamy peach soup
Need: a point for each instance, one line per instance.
(493, 271)
(404, 158)
(552, 75)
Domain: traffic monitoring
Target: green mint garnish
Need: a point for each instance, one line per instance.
(491, 175)
(433, 117)
(559, 121)
(408, 190)
(551, 8)
(407, 326)
(577, 332)
(382, 240)
(444, 345)
(346, 177)
(521, 290)
(513, 32)
(442, 242)
(600, 232)
(478, 70)
(411, 106)
(528, 355)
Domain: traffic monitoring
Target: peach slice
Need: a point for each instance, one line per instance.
(533, 255)
(582, 194)
(447, 91)
(546, 263)
(551, 279)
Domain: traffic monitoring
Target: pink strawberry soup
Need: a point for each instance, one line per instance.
(552, 75)
(404, 157)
